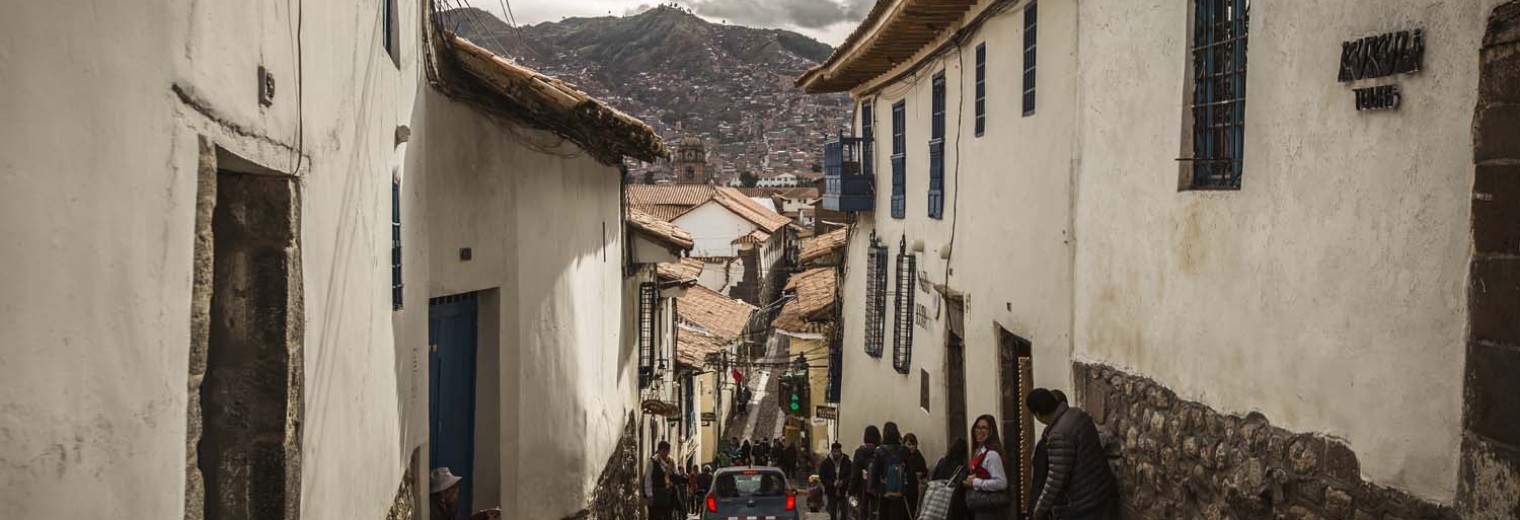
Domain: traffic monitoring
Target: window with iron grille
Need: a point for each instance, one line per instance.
(981, 88)
(876, 298)
(902, 337)
(1030, 19)
(899, 160)
(649, 304)
(868, 139)
(396, 244)
(1219, 92)
(937, 149)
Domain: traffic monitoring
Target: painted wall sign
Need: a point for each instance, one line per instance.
(1399, 52)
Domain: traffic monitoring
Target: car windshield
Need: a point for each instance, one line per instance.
(750, 484)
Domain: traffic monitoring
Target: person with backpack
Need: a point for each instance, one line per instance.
(892, 477)
(861, 492)
(986, 484)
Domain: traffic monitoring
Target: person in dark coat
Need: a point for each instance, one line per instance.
(863, 455)
(892, 451)
(745, 452)
(835, 472)
(704, 483)
(949, 465)
(659, 484)
(1040, 464)
(1079, 485)
(918, 468)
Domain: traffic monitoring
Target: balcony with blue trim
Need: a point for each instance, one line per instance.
(849, 184)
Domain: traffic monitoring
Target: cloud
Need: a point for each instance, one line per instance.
(810, 14)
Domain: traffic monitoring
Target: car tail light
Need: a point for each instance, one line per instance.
(791, 501)
(712, 504)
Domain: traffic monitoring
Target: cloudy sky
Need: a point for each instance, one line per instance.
(827, 20)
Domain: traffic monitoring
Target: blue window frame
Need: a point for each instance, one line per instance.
(937, 149)
(899, 160)
(396, 285)
(1219, 92)
(1030, 21)
(868, 139)
(981, 88)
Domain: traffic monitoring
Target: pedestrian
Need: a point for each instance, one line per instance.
(1079, 485)
(948, 467)
(762, 452)
(891, 476)
(861, 492)
(680, 497)
(704, 484)
(918, 468)
(835, 472)
(786, 457)
(815, 494)
(659, 496)
(745, 452)
(443, 497)
(987, 496)
(1040, 464)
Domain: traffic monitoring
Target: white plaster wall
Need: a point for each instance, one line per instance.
(1010, 226)
(721, 275)
(98, 175)
(713, 228)
(1328, 292)
(568, 379)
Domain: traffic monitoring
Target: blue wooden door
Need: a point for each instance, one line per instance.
(451, 384)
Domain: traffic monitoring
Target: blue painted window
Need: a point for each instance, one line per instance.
(1030, 19)
(899, 160)
(1219, 92)
(396, 284)
(981, 89)
(937, 149)
(868, 139)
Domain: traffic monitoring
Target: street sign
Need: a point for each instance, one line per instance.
(709, 417)
(827, 412)
(819, 421)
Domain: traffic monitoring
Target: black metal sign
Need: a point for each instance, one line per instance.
(1381, 97)
(1399, 52)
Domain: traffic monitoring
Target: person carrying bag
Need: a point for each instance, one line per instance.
(938, 495)
(987, 484)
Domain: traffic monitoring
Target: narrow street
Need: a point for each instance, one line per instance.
(764, 419)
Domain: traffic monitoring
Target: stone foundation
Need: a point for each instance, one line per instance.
(1181, 459)
(616, 496)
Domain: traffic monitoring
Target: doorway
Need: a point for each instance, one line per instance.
(453, 323)
(955, 372)
(1015, 380)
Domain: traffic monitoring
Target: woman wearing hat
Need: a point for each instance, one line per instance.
(443, 489)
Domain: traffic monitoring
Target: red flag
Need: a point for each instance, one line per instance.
(738, 379)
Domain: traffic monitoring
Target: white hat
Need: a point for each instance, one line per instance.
(443, 479)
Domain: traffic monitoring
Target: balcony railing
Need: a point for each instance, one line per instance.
(846, 185)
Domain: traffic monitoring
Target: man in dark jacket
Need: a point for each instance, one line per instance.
(1079, 485)
(858, 488)
(835, 472)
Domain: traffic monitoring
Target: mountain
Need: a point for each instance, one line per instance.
(727, 84)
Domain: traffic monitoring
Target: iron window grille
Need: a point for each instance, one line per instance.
(1030, 39)
(396, 285)
(902, 337)
(868, 139)
(1219, 92)
(899, 160)
(649, 301)
(981, 88)
(876, 298)
(937, 149)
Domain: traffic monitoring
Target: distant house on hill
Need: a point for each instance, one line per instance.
(742, 243)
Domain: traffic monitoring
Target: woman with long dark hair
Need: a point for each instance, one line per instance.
(987, 477)
(953, 462)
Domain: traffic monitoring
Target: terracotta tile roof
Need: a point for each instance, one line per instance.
(815, 293)
(790, 320)
(667, 213)
(758, 236)
(693, 346)
(540, 101)
(721, 316)
(688, 195)
(660, 230)
(821, 246)
(687, 269)
(750, 210)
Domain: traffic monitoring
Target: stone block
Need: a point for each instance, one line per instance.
(1341, 463)
(1493, 392)
(1499, 79)
(1496, 208)
(1304, 454)
(1337, 504)
(1494, 300)
(1498, 133)
(1503, 25)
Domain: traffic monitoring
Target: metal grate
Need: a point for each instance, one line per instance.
(1030, 19)
(899, 160)
(937, 149)
(902, 337)
(981, 89)
(396, 285)
(876, 298)
(1219, 92)
(649, 301)
(868, 137)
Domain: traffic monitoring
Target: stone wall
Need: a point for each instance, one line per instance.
(1181, 459)
(617, 491)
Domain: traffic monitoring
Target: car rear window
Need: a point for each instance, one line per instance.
(747, 484)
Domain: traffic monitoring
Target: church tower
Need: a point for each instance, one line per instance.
(691, 162)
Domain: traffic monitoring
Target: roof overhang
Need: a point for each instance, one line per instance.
(892, 33)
